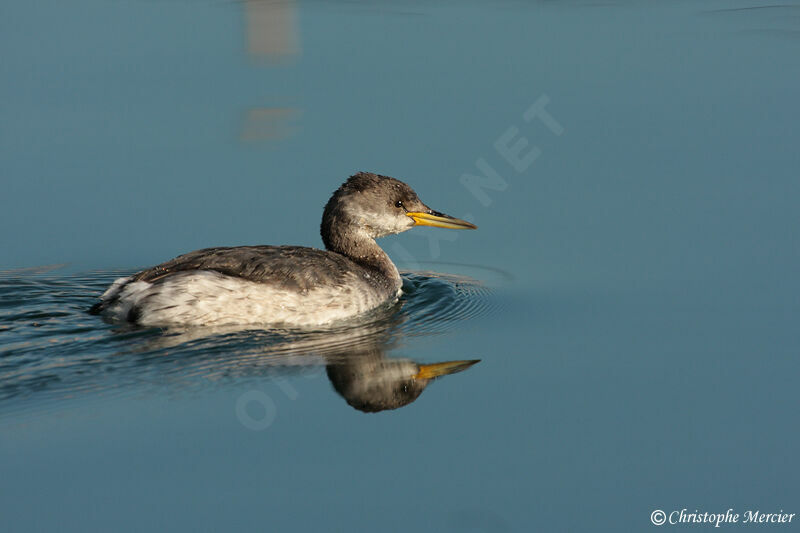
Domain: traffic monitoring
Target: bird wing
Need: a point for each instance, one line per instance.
(289, 267)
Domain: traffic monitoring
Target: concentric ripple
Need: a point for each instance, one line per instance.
(436, 303)
(51, 348)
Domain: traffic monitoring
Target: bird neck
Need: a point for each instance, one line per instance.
(361, 249)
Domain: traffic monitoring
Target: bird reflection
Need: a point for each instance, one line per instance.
(371, 382)
(354, 357)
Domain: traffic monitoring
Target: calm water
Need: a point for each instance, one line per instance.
(632, 292)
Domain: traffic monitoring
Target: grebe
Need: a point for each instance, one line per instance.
(285, 285)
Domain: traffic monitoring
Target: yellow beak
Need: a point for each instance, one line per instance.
(442, 369)
(440, 220)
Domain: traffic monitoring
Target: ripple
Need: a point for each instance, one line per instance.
(52, 349)
(438, 303)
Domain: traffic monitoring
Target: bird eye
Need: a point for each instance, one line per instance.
(399, 203)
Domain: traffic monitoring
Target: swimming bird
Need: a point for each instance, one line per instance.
(285, 285)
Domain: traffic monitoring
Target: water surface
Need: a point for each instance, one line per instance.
(631, 292)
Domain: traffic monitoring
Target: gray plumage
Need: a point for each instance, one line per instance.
(288, 267)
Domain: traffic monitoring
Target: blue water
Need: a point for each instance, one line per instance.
(631, 292)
